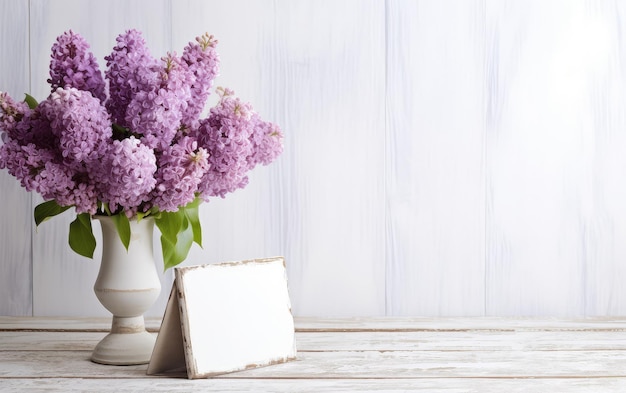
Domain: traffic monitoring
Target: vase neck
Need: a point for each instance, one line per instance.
(141, 233)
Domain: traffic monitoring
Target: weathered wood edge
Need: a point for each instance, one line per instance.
(482, 385)
(368, 341)
(352, 364)
(377, 324)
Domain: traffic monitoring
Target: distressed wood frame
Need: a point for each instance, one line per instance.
(226, 317)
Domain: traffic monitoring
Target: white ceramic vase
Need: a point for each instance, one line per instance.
(127, 285)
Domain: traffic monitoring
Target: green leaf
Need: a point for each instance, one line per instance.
(174, 252)
(170, 223)
(123, 228)
(31, 101)
(191, 211)
(120, 132)
(179, 230)
(81, 237)
(153, 212)
(48, 209)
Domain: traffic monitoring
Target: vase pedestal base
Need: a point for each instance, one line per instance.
(127, 344)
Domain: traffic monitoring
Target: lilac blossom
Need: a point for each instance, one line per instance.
(73, 65)
(81, 123)
(25, 162)
(203, 64)
(38, 170)
(225, 134)
(85, 196)
(181, 168)
(21, 124)
(129, 71)
(156, 112)
(142, 148)
(126, 176)
(68, 188)
(11, 114)
(267, 142)
(54, 181)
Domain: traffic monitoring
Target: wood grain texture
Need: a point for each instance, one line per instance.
(431, 385)
(517, 355)
(435, 169)
(360, 324)
(351, 365)
(320, 75)
(537, 340)
(15, 216)
(63, 281)
(555, 143)
(603, 209)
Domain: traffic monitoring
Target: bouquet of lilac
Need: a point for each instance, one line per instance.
(134, 147)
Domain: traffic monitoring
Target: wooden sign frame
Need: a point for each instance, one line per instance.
(226, 317)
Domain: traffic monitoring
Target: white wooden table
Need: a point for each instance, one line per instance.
(346, 355)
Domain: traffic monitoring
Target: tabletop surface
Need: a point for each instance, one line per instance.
(345, 355)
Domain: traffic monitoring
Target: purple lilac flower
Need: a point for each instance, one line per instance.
(35, 128)
(266, 142)
(11, 114)
(73, 65)
(57, 181)
(203, 63)
(181, 168)
(225, 135)
(129, 70)
(24, 126)
(82, 125)
(127, 173)
(84, 196)
(65, 149)
(24, 162)
(54, 181)
(38, 170)
(156, 112)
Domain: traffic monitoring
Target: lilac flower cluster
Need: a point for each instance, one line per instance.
(81, 125)
(127, 175)
(73, 65)
(128, 71)
(133, 141)
(201, 60)
(181, 168)
(238, 140)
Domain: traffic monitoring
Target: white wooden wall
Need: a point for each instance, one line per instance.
(442, 157)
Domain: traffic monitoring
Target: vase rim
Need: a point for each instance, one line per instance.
(107, 217)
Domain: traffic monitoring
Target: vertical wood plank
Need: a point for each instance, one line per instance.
(603, 205)
(435, 166)
(63, 281)
(555, 142)
(15, 216)
(317, 69)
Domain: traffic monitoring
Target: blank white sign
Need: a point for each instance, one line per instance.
(233, 316)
